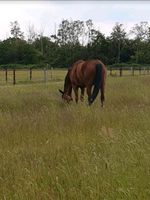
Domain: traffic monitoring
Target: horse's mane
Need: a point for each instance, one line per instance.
(67, 80)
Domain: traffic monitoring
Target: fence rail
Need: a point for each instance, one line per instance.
(130, 71)
(26, 75)
(30, 75)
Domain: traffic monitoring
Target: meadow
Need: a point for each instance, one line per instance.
(50, 150)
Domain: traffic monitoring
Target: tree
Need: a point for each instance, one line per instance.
(88, 33)
(98, 46)
(25, 53)
(48, 47)
(140, 31)
(32, 35)
(15, 30)
(76, 40)
(17, 37)
(70, 32)
(118, 36)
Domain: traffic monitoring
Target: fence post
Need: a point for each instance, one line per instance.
(110, 71)
(140, 70)
(45, 75)
(14, 76)
(120, 71)
(132, 71)
(6, 75)
(148, 70)
(30, 73)
(51, 72)
(144, 70)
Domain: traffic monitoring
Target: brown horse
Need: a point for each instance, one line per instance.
(85, 74)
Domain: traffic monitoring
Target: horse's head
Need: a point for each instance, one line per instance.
(65, 96)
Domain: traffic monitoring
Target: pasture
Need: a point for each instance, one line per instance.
(53, 151)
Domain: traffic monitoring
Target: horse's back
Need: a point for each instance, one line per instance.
(83, 72)
(76, 72)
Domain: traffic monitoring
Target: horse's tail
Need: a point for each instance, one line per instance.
(96, 82)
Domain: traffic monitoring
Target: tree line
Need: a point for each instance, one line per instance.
(76, 40)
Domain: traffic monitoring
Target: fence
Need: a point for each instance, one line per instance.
(27, 75)
(128, 71)
(14, 76)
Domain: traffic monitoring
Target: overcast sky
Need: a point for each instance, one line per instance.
(46, 15)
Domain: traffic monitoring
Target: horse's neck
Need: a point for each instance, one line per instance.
(67, 85)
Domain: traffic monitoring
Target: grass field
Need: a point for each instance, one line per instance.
(53, 151)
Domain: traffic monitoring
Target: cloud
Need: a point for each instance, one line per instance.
(46, 14)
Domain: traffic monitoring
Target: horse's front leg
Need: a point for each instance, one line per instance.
(82, 94)
(75, 88)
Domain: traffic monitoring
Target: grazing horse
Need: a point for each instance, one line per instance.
(85, 74)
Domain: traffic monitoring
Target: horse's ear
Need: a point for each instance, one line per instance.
(61, 91)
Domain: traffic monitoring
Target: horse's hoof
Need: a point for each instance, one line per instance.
(89, 103)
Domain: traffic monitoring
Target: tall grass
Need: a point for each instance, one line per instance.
(51, 150)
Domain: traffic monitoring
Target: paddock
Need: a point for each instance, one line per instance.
(52, 150)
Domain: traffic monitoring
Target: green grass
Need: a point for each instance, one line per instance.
(53, 151)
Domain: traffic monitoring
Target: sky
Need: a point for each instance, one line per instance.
(47, 15)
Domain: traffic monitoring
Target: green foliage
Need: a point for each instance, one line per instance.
(118, 37)
(18, 51)
(22, 66)
(76, 40)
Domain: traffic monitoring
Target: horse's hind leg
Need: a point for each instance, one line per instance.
(102, 96)
(82, 94)
(88, 90)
